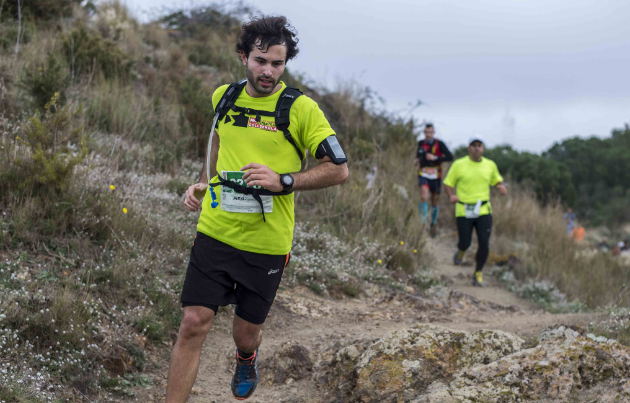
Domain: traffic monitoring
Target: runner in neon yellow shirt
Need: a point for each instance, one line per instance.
(245, 230)
(472, 177)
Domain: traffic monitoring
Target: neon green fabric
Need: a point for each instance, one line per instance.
(243, 141)
(472, 181)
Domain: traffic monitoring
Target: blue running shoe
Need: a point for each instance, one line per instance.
(245, 376)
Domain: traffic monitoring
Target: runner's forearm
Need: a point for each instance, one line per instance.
(449, 190)
(213, 159)
(324, 175)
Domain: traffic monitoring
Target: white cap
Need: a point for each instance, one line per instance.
(621, 244)
(475, 138)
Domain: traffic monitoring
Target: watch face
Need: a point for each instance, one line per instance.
(287, 180)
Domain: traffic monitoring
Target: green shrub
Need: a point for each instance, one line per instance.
(86, 51)
(41, 9)
(45, 81)
(151, 327)
(9, 33)
(50, 149)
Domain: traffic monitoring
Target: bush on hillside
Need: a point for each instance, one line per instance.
(86, 52)
(41, 9)
(214, 17)
(45, 80)
(46, 153)
(9, 33)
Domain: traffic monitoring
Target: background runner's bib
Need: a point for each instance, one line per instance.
(472, 210)
(430, 172)
(240, 203)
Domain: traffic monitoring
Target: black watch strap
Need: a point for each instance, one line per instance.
(284, 181)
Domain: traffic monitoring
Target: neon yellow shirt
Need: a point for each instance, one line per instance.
(472, 181)
(243, 140)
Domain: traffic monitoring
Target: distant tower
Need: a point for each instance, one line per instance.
(508, 126)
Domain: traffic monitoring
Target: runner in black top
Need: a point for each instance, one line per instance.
(430, 155)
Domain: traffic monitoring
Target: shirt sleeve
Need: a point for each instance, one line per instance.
(496, 176)
(452, 176)
(313, 125)
(447, 153)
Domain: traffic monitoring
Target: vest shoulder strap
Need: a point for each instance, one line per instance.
(229, 97)
(283, 107)
(283, 115)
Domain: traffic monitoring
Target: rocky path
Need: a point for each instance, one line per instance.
(303, 324)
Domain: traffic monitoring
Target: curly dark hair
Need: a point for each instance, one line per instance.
(264, 31)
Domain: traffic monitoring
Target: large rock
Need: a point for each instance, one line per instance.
(564, 367)
(291, 362)
(404, 363)
(334, 370)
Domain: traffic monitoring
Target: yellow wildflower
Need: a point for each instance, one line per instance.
(380, 261)
(402, 242)
(125, 210)
(415, 251)
(112, 187)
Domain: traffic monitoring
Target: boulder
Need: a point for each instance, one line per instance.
(401, 365)
(290, 361)
(565, 367)
(404, 363)
(334, 370)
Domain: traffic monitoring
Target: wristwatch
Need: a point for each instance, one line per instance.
(286, 180)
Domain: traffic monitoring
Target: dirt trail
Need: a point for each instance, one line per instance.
(314, 322)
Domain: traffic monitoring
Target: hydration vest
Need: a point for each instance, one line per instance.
(282, 119)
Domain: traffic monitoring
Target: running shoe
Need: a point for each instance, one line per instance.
(477, 280)
(457, 261)
(433, 230)
(245, 376)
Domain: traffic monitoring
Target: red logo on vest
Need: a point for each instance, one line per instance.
(262, 125)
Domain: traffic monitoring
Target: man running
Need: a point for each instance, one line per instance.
(429, 158)
(244, 235)
(473, 176)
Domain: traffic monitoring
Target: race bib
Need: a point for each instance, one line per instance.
(472, 210)
(430, 172)
(239, 203)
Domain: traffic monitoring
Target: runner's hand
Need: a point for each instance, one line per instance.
(502, 189)
(416, 162)
(431, 157)
(454, 199)
(261, 175)
(190, 201)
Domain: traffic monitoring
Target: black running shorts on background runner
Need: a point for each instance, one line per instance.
(219, 275)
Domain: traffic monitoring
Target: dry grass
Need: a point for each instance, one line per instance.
(539, 236)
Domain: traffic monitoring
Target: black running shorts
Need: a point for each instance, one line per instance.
(219, 275)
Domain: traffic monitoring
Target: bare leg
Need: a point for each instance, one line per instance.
(435, 198)
(185, 358)
(424, 194)
(247, 336)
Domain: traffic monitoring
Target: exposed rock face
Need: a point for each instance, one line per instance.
(406, 362)
(565, 367)
(432, 364)
(291, 361)
(335, 367)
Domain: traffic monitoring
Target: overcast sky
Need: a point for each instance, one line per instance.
(525, 72)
